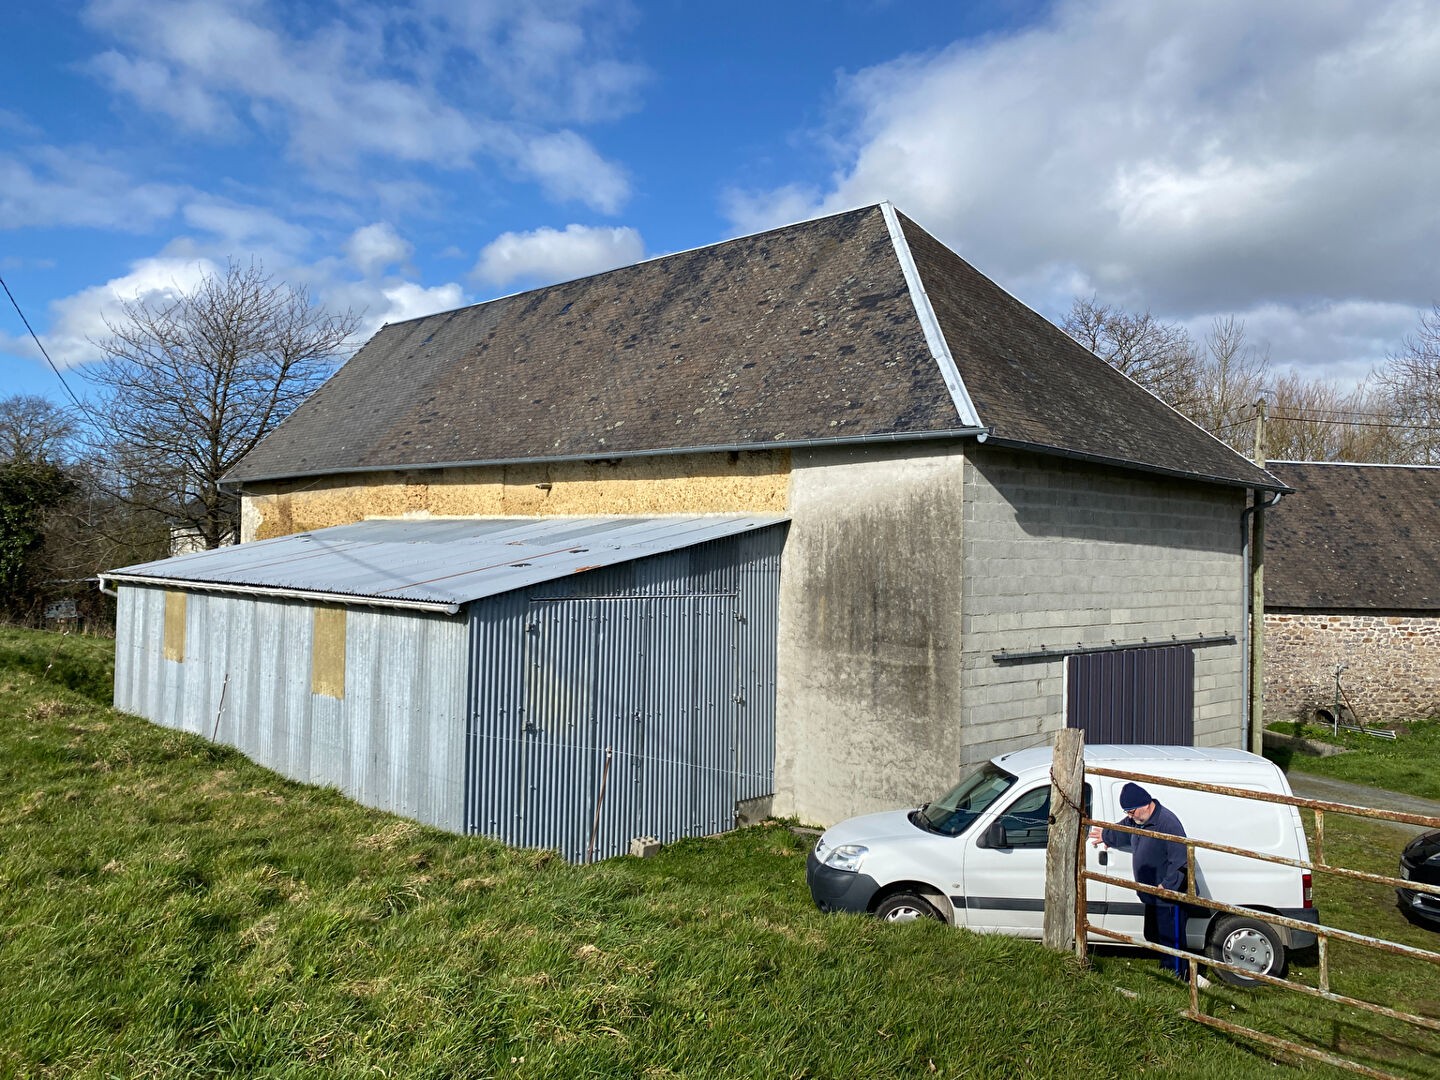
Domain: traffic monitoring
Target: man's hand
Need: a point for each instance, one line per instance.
(1096, 836)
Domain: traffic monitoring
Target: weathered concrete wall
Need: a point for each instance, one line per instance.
(868, 687)
(1059, 553)
(673, 484)
(1393, 665)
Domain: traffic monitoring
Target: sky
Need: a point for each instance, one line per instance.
(1278, 162)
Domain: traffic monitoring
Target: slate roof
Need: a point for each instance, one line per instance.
(1354, 538)
(433, 565)
(855, 327)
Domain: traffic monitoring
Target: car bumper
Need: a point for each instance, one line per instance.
(1300, 939)
(1418, 905)
(838, 890)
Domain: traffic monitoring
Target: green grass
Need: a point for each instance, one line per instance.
(171, 909)
(1410, 763)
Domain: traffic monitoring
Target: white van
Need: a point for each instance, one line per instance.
(976, 857)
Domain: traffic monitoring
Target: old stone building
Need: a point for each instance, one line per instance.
(1352, 587)
(988, 532)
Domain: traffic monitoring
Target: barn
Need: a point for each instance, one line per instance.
(973, 533)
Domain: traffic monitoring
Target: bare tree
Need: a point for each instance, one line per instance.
(1233, 375)
(1410, 384)
(34, 429)
(1159, 356)
(1317, 420)
(191, 383)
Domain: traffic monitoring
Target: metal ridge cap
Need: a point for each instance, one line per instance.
(929, 322)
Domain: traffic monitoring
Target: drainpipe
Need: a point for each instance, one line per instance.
(1254, 666)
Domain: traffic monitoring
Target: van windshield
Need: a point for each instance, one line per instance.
(953, 814)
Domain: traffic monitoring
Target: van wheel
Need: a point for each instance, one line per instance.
(906, 907)
(1246, 943)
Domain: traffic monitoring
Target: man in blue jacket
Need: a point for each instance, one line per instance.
(1153, 862)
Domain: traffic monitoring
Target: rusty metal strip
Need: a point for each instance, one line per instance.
(1266, 796)
(1428, 1022)
(1270, 917)
(1300, 864)
(1286, 1045)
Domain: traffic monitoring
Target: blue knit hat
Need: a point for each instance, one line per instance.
(1133, 796)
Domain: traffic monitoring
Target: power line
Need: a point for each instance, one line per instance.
(14, 303)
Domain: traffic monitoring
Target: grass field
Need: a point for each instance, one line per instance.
(1410, 763)
(171, 909)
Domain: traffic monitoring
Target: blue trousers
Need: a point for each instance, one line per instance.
(1165, 925)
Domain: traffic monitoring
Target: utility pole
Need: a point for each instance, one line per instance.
(1257, 599)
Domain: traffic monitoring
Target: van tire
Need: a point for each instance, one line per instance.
(906, 907)
(1249, 943)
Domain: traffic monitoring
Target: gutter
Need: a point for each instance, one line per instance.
(601, 454)
(1253, 653)
(1140, 466)
(434, 607)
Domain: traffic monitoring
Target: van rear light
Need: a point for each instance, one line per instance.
(1306, 894)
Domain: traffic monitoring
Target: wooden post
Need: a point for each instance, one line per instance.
(1062, 868)
(1255, 692)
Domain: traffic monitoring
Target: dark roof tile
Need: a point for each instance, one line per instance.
(802, 334)
(1354, 538)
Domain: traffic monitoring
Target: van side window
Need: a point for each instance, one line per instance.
(1027, 820)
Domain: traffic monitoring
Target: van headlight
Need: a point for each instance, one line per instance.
(847, 857)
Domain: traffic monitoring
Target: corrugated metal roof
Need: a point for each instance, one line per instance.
(434, 564)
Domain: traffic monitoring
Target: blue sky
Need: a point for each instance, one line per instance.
(1278, 162)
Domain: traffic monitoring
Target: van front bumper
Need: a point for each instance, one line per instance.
(838, 890)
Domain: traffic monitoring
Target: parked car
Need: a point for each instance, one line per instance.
(1420, 861)
(975, 857)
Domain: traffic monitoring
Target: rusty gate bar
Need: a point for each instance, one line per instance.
(1323, 933)
(1268, 796)
(1299, 864)
(1429, 1022)
(1289, 1047)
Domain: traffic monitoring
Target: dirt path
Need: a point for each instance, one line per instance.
(1310, 786)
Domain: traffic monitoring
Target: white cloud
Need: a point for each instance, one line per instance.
(78, 320)
(550, 255)
(48, 186)
(1225, 156)
(375, 248)
(438, 82)
(569, 169)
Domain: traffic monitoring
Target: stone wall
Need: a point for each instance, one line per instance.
(1392, 673)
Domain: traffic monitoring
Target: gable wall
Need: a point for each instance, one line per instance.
(754, 481)
(869, 673)
(1059, 553)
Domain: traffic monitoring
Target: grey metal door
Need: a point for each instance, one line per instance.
(1133, 695)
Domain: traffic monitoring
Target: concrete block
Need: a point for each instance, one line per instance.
(644, 847)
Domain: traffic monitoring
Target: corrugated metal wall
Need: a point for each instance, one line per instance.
(666, 664)
(396, 739)
(1133, 695)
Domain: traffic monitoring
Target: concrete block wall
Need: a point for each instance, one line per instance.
(1392, 665)
(868, 676)
(1058, 553)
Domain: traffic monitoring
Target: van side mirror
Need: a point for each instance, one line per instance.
(994, 837)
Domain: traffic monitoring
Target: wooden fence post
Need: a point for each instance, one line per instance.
(1067, 780)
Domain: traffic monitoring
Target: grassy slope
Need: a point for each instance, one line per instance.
(172, 909)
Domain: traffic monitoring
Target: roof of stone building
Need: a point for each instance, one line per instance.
(850, 328)
(1354, 538)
